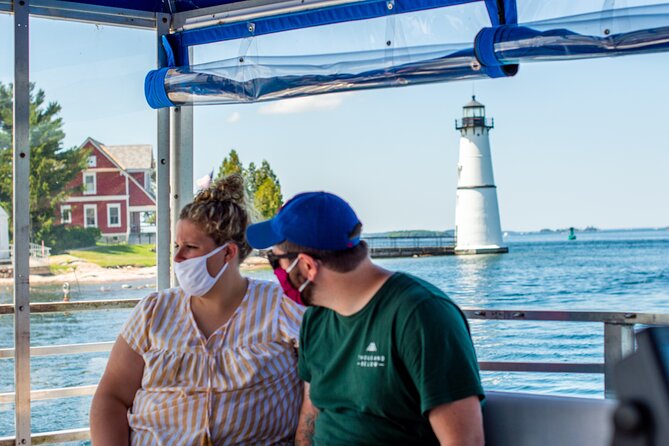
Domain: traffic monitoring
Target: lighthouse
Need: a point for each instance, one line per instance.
(477, 226)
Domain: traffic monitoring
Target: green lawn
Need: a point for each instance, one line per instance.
(118, 255)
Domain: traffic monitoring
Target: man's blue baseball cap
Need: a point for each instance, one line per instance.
(316, 220)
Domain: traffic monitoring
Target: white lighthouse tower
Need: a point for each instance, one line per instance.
(477, 226)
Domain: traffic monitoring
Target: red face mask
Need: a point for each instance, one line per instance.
(293, 293)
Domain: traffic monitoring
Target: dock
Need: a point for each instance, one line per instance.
(390, 247)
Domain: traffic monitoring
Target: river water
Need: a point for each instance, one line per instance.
(600, 271)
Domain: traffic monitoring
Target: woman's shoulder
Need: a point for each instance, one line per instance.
(259, 286)
(163, 298)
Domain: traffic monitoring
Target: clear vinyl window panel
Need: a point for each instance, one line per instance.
(444, 26)
(447, 44)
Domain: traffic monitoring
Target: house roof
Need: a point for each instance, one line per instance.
(135, 156)
(105, 151)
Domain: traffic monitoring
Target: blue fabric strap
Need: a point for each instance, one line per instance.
(168, 52)
(484, 49)
(502, 12)
(154, 89)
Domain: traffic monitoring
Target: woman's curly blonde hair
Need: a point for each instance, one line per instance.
(222, 211)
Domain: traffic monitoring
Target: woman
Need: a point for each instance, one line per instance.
(212, 361)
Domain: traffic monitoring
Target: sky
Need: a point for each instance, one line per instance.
(581, 143)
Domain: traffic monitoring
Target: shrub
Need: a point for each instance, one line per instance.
(61, 238)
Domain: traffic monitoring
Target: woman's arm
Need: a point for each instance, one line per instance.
(305, 425)
(114, 395)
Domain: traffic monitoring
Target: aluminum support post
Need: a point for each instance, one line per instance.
(182, 163)
(618, 343)
(21, 219)
(163, 215)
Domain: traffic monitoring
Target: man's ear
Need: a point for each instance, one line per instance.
(308, 266)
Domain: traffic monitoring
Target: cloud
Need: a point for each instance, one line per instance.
(304, 104)
(234, 117)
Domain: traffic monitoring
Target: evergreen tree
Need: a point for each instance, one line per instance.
(231, 164)
(267, 195)
(51, 166)
(262, 184)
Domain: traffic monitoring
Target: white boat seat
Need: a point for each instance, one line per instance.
(518, 419)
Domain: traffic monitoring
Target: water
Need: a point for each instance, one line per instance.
(605, 271)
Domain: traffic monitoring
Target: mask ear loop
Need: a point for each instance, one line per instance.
(292, 267)
(220, 273)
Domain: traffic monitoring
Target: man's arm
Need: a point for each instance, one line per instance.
(307, 421)
(459, 423)
(114, 395)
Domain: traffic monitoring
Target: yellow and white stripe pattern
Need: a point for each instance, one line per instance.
(239, 387)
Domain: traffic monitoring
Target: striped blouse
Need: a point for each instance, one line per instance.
(239, 387)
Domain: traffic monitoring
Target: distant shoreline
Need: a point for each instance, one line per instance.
(86, 272)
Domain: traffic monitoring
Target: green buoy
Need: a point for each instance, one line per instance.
(572, 236)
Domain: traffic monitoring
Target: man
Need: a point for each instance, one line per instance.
(387, 357)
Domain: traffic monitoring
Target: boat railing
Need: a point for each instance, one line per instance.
(618, 342)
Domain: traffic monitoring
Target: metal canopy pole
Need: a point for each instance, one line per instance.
(163, 226)
(21, 220)
(182, 163)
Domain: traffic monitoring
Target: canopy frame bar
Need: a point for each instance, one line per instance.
(249, 10)
(85, 13)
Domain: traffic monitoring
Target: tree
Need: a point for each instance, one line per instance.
(231, 164)
(262, 184)
(51, 166)
(267, 193)
(267, 198)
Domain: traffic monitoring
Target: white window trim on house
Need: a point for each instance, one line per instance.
(97, 198)
(116, 206)
(63, 208)
(92, 161)
(95, 186)
(95, 214)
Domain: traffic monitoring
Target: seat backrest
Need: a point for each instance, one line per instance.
(517, 419)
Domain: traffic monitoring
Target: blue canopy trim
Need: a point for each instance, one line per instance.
(484, 48)
(500, 12)
(154, 89)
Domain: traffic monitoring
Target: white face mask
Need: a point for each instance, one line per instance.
(193, 276)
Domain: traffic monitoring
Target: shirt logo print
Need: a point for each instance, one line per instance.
(371, 359)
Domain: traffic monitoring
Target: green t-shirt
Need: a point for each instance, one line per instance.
(376, 374)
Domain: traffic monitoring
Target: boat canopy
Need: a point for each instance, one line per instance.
(348, 46)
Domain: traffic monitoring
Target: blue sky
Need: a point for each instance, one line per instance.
(575, 143)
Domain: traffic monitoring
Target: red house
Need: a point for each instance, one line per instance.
(117, 190)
